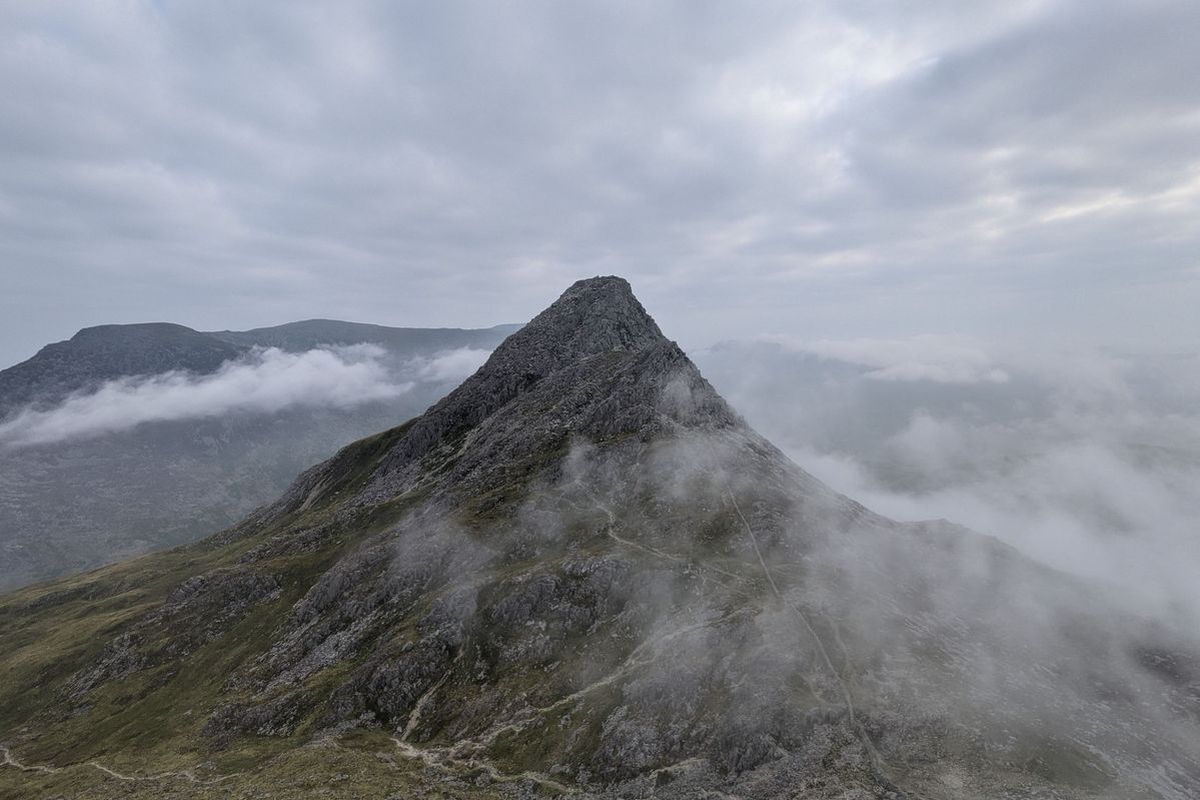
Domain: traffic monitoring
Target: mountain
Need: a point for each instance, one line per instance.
(108, 352)
(581, 572)
(78, 502)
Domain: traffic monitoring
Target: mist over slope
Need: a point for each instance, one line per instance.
(1088, 460)
(129, 438)
(581, 572)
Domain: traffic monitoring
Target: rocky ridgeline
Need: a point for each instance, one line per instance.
(107, 352)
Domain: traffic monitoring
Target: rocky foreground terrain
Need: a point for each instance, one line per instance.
(581, 573)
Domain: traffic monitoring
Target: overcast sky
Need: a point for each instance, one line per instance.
(829, 169)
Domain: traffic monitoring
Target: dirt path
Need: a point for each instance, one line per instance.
(878, 766)
(688, 564)
(446, 760)
(9, 761)
(186, 775)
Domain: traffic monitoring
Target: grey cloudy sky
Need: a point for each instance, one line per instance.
(808, 169)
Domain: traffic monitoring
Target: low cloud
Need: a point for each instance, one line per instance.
(269, 380)
(450, 366)
(1088, 462)
(941, 359)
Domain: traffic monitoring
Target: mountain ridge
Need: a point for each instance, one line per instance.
(101, 353)
(107, 352)
(582, 573)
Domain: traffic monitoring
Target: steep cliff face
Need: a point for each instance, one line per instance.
(581, 572)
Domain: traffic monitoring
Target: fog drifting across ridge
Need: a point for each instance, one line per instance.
(1086, 461)
(267, 380)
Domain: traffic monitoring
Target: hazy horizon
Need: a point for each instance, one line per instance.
(827, 170)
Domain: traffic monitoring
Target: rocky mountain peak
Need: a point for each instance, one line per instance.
(593, 362)
(595, 315)
(603, 313)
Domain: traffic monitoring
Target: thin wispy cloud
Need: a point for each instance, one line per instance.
(269, 380)
(451, 366)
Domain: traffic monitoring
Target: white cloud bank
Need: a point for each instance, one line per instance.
(449, 366)
(266, 381)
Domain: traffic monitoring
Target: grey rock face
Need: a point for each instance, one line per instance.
(278, 717)
(196, 612)
(595, 318)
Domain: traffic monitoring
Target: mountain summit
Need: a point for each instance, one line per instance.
(592, 364)
(582, 573)
(593, 316)
(572, 350)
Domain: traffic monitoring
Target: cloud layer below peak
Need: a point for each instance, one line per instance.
(269, 380)
(1085, 460)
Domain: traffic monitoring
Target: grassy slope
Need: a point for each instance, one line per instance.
(151, 721)
(360, 766)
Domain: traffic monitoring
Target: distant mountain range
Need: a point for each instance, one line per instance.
(77, 503)
(582, 573)
(107, 352)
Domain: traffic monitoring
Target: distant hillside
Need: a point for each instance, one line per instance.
(78, 503)
(105, 352)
